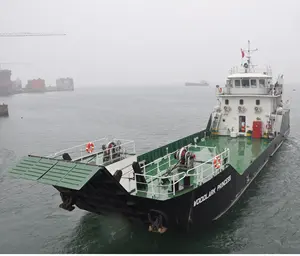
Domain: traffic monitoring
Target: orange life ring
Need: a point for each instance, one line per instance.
(217, 162)
(90, 147)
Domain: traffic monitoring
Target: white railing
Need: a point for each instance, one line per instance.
(156, 163)
(79, 152)
(253, 69)
(122, 151)
(158, 190)
(203, 173)
(206, 171)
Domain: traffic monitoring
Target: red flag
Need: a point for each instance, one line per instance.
(243, 54)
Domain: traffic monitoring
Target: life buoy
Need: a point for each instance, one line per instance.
(90, 147)
(217, 162)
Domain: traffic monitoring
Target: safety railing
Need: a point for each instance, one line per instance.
(79, 150)
(157, 189)
(79, 153)
(118, 152)
(156, 166)
(206, 171)
(202, 173)
(256, 69)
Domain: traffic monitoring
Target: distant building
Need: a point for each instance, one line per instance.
(36, 85)
(65, 84)
(17, 86)
(5, 82)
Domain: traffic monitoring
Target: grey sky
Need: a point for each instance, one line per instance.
(148, 42)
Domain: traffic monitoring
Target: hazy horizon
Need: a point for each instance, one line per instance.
(139, 42)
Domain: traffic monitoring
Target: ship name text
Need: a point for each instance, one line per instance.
(212, 191)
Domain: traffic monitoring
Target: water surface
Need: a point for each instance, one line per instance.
(265, 220)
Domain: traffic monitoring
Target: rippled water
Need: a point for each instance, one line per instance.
(266, 218)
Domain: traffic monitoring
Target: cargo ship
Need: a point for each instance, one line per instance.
(5, 82)
(4, 110)
(65, 84)
(188, 183)
(201, 83)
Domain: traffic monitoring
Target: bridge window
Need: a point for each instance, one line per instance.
(237, 83)
(257, 102)
(262, 82)
(253, 83)
(241, 102)
(229, 83)
(226, 102)
(245, 83)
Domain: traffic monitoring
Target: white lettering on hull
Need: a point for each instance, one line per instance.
(212, 191)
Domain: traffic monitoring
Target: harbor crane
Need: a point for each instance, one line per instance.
(24, 34)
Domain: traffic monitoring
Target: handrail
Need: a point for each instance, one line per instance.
(79, 154)
(169, 155)
(211, 168)
(214, 171)
(81, 145)
(258, 69)
(152, 192)
(111, 154)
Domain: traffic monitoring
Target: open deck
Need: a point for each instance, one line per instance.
(164, 179)
(163, 184)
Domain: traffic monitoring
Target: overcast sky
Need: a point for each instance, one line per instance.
(141, 42)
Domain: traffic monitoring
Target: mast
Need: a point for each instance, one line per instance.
(248, 65)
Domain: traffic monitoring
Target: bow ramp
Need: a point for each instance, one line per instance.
(74, 167)
(71, 175)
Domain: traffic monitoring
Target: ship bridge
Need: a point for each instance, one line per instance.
(248, 96)
(248, 79)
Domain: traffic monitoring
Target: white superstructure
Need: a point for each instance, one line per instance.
(249, 95)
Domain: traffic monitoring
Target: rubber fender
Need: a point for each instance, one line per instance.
(118, 175)
(66, 156)
(141, 181)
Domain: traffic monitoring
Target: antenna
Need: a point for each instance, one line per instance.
(249, 64)
(249, 51)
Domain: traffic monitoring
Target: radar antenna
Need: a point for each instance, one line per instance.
(249, 64)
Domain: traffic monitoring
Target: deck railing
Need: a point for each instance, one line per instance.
(206, 171)
(79, 150)
(127, 148)
(157, 189)
(256, 69)
(79, 153)
(202, 173)
(157, 166)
